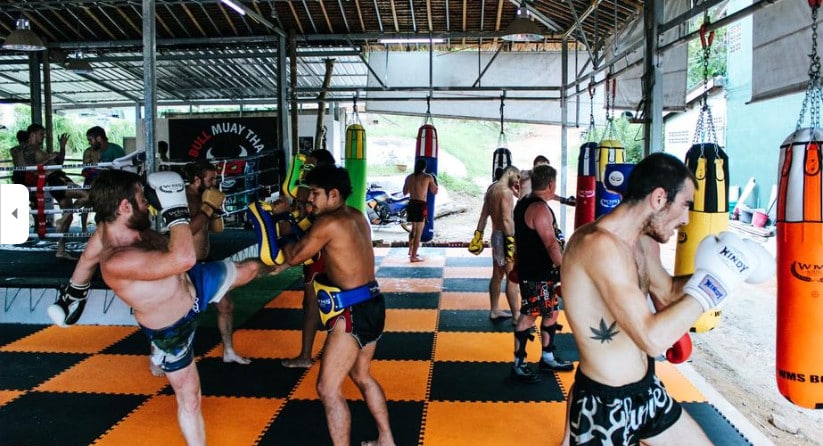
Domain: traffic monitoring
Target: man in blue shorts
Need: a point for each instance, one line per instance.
(157, 277)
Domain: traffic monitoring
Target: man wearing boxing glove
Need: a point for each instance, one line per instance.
(498, 203)
(418, 185)
(539, 244)
(351, 305)
(159, 277)
(610, 269)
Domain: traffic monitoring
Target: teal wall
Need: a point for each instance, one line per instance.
(754, 131)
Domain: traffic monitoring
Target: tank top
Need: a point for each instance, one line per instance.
(533, 261)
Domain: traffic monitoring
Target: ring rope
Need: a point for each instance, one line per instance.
(41, 202)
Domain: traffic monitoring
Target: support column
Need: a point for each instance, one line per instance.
(150, 82)
(652, 79)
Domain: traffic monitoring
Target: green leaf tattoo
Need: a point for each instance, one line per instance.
(604, 333)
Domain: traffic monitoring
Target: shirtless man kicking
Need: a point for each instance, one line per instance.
(417, 186)
(159, 278)
(498, 203)
(352, 308)
(610, 269)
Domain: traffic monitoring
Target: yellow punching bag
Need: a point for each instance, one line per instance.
(356, 165)
(609, 151)
(709, 214)
(799, 364)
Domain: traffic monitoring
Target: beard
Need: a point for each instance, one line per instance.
(654, 227)
(139, 220)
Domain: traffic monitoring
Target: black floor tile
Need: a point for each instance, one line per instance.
(262, 378)
(488, 381)
(276, 319)
(22, 371)
(411, 346)
(13, 332)
(417, 301)
(39, 418)
(303, 422)
(472, 320)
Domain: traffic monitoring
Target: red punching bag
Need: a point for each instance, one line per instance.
(586, 177)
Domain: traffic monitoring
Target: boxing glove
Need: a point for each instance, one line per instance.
(476, 245)
(681, 350)
(69, 305)
(720, 264)
(764, 263)
(212, 202)
(508, 244)
(170, 193)
(568, 201)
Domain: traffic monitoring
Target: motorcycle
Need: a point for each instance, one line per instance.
(384, 209)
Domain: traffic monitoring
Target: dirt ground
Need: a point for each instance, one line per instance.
(737, 358)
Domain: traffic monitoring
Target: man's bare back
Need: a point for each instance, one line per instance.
(418, 186)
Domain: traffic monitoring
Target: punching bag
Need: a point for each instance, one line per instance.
(427, 149)
(501, 159)
(294, 176)
(355, 163)
(799, 365)
(709, 214)
(609, 151)
(586, 177)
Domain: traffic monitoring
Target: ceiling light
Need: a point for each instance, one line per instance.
(522, 29)
(410, 40)
(77, 64)
(23, 38)
(240, 10)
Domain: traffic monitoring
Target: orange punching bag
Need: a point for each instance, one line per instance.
(799, 364)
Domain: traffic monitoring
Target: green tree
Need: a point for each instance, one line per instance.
(628, 134)
(717, 57)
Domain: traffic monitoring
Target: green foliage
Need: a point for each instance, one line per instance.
(73, 126)
(460, 185)
(717, 61)
(630, 135)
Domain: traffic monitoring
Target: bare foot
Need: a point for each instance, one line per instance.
(234, 357)
(374, 443)
(296, 363)
(417, 259)
(499, 315)
(155, 369)
(64, 255)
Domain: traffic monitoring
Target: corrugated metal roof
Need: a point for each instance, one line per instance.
(208, 52)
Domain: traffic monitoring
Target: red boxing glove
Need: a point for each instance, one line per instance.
(680, 350)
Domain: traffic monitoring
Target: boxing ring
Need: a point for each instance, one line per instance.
(30, 274)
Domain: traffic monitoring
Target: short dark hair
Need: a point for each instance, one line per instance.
(323, 157)
(34, 127)
(419, 165)
(540, 159)
(657, 170)
(109, 189)
(198, 169)
(542, 175)
(96, 131)
(22, 136)
(331, 177)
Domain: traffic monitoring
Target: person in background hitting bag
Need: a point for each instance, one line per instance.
(158, 277)
(498, 204)
(610, 269)
(351, 306)
(539, 246)
(417, 186)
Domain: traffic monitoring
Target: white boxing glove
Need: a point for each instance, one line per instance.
(765, 266)
(720, 264)
(170, 192)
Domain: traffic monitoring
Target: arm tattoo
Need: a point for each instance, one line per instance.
(605, 333)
